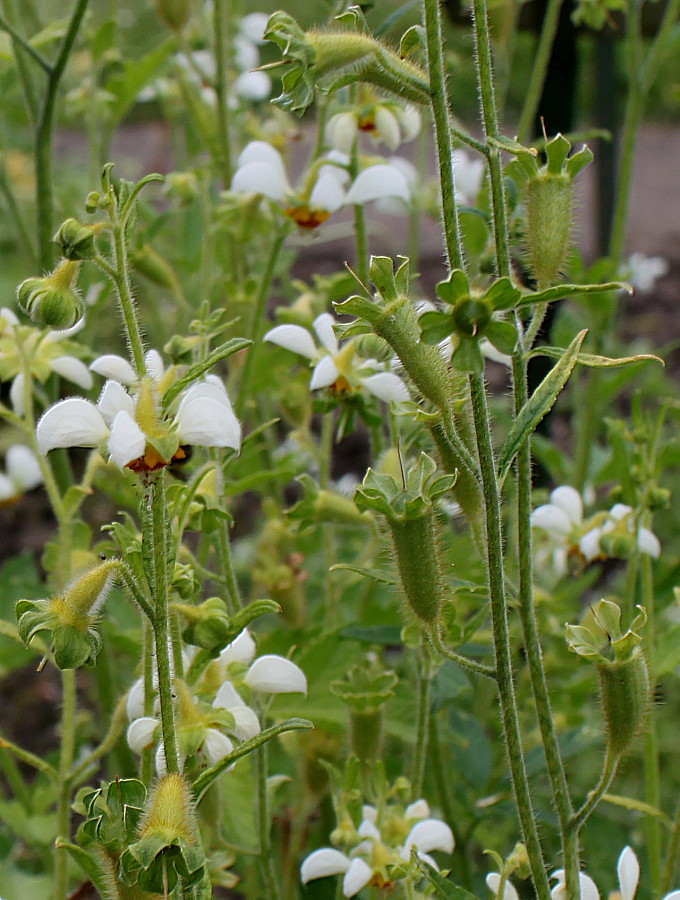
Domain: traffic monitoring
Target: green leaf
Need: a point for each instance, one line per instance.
(87, 863)
(561, 291)
(445, 889)
(510, 146)
(136, 74)
(376, 574)
(195, 372)
(597, 362)
(386, 635)
(639, 806)
(536, 407)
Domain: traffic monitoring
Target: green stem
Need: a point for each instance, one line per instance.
(125, 299)
(157, 520)
(496, 584)
(361, 244)
(652, 769)
(539, 68)
(469, 665)
(258, 316)
(490, 123)
(43, 138)
(422, 720)
(532, 644)
(269, 869)
(672, 856)
(21, 60)
(223, 28)
(325, 457)
(68, 712)
(25, 46)
(582, 815)
(25, 756)
(441, 116)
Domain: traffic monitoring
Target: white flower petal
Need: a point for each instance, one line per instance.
(387, 127)
(674, 895)
(420, 809)
(153, 363)
(127, 441)
(341, 130)
(628, 870)
(112, 366)
(588, 889)
(619, 511)
(227, 697)
(205, 417)
(324, 374)
(327, 193)
(114, 399)
(648, 543)
(253, 26)
(323, 326)
(216, 746)
(369, 813)
(294, 338)
(410, 122)
(589, 545)
(569, 500)
(246, 55)
(134, 703)
(16, 395)
(428, 835)
(552, 519)
(8, 488)
(468, 175)
(246, 723)
(23, 468)
(8, 316)
(322, 863)
(242, 649)
(260, 151)
(276, 675)
(493, 880)
(73, 370)
(140, 733)
(378, 181)
(367, 829)
(386, 386)
(261, 178)
(357, 877)
(71, 423)
(254, 86)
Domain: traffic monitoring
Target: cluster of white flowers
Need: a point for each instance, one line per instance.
(239, 673)
(380, 843)
(22, 473)
(570, 534)
(130, 422)
(325, 188)
(337, 367)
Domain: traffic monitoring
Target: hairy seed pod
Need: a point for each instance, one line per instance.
(415, 544)
(549, 219)
(625, 692)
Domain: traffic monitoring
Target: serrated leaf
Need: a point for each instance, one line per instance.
(538, 405)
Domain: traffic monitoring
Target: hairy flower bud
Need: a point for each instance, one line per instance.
(77, 241)
(625, 695)
(52, 299)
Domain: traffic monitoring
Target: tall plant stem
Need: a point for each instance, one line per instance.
(539, 68)
(532, 644)
(672, 856)
(156, 528)
(652, 769)
(501, 638)
(490, 123)
(126, 303)
(269, 869)
(328, 530)
(424, 702)
(43, 138)
(68, 714)
(258, 316)
(440, 113)
(223, 29)
(582, 815)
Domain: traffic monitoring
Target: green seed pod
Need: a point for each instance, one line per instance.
(77, 241)
(366, 733)
(625, 695)
(549, 219)
(415, 544)
(52, 300)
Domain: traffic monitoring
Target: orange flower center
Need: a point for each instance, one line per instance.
(152, 460)
(305, 217)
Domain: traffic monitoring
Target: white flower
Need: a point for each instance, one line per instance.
(493, 880)
(378, 181)
(388, 123)
(137, 435)
(141, 733)
(643, 271)
(275, 675)
(253, 27)
(428, 835)
(468, 175)
(255, 86)
(627, 870)
(216, 746)
(134, 703)
(22, 473)
(241, 649)
(337, 367)
(587, 886)
(322, 863)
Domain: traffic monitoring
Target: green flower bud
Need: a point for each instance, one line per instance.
(175, 13)
(617, 545)
(180, 349)
(52, 300)
(168, 845)
(365, 689)
(77, 241)
(208, 624)
(92, 202)
(658, 497)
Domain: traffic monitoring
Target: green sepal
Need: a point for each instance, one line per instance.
(435, 326)
(556, 151)
(454, 288)
(578, 162)
(381, 272)
(360, 307)
(365, 687)
(503, 335)
(72, 648)
(413, 41)
(502, 294)
(467, 356)
(209, 625)
(424, 484)
(113, 813)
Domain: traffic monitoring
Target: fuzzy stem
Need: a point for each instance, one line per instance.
(68, 713)
(264, 825)
(539, 68)
(423, 701)
(652, 770)
(506, 690)
(525, 596)
(440, 112)
(125, 299)
(469, 665)
(582, 815)
(223, 27)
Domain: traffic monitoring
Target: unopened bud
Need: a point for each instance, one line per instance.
(153, 267)
(52, 300)
(618, 546)
(549, 215)
(77, 241)
(92, 202)
(175, 13)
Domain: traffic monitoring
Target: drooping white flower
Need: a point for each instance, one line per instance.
(216, 746)
(335, 367)
(628, 873)
(322, 863)
(141, 733)
(644, 271)
(386, 123)
(587, 886)
(428, 835)
(468, 174)
(275, 675)
(22, 473)
(493, 880)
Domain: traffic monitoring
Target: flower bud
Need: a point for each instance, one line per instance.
(175, 13)
(625, 693)
(52, 300)
(616, 545)
(92, 202)
(77, 241)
